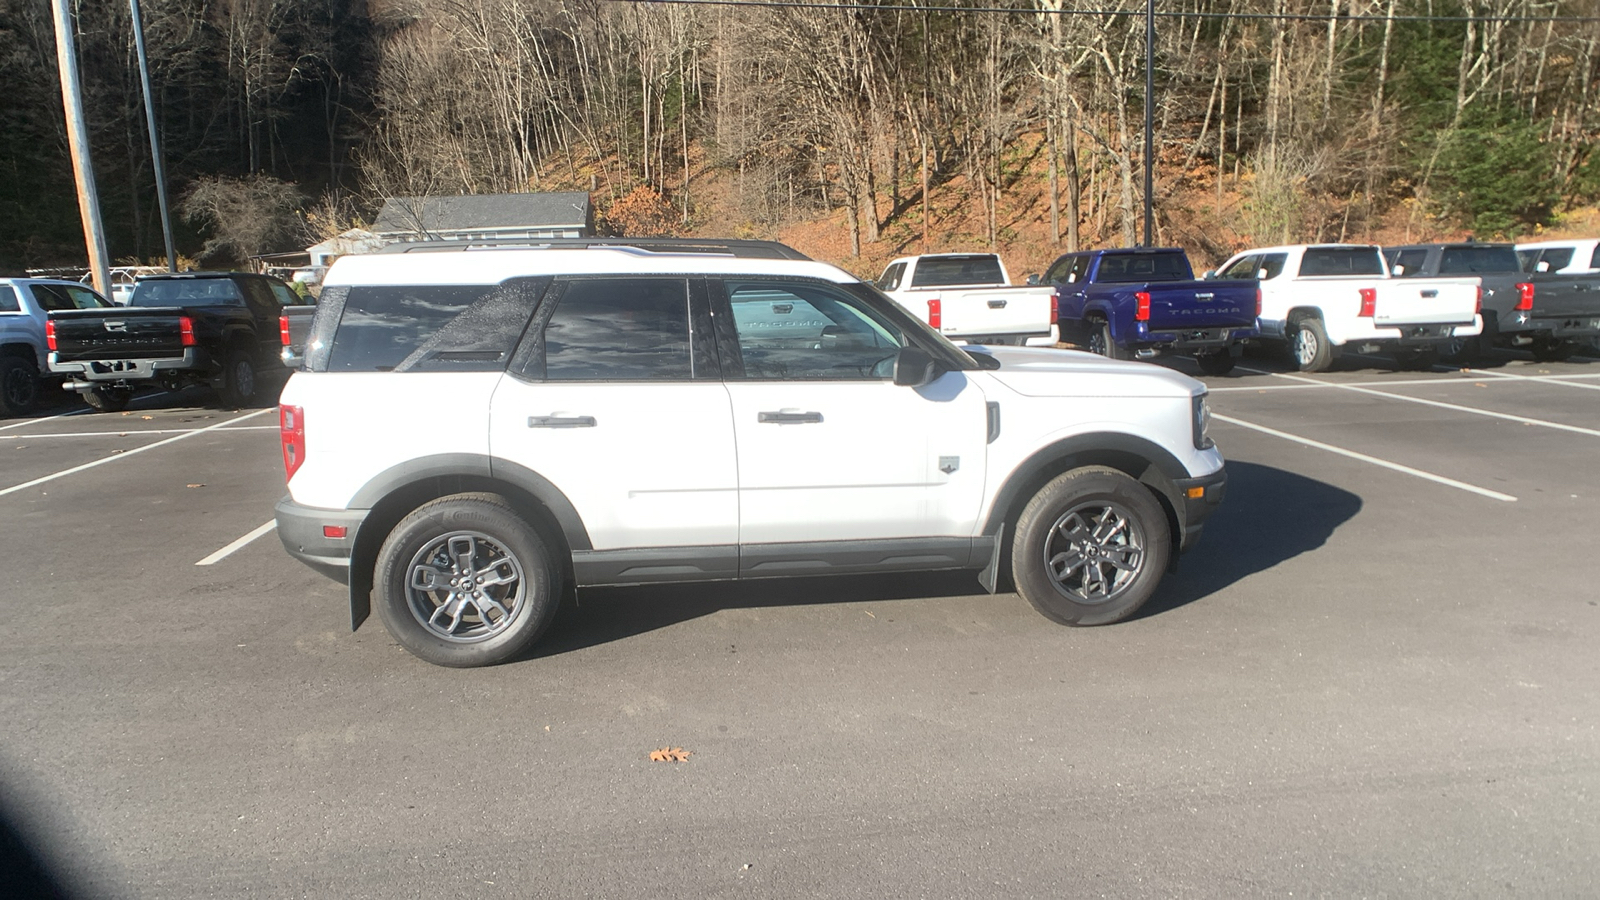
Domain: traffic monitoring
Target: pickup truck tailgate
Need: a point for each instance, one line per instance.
(117, 333)
(1201, 304)
(1566, 296)
(1426, 301)
(1016, 310)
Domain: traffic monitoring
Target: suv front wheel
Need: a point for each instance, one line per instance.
(1090, 547)
(464, 581)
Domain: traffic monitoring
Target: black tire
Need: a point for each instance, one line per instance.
(1468, 351)
(1077, 503)
(463, 532)
(240, 380)
(19, 386)
(108, 399)
(1553, 349)
(1220, 363)
(1100, 341)
(1309, 349)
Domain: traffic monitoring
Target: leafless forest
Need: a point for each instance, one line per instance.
(1275, 119)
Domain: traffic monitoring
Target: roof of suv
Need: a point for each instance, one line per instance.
(479, 266)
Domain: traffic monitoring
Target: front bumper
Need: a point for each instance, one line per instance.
(304, 531)
(1196, 500)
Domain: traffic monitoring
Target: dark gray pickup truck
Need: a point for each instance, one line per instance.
(214, 328)
(1553, 316)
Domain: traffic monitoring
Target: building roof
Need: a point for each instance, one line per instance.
(484, 212)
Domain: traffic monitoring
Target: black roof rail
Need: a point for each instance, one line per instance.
(710, 246)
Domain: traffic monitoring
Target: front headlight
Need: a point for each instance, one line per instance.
(1202, 423)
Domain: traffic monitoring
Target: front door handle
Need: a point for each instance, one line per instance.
(789, 417)
(561, 421)
(1430, 294)
(997, 304)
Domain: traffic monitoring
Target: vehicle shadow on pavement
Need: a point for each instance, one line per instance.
(1270, 516)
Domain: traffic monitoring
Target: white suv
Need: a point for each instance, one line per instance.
(476, 429)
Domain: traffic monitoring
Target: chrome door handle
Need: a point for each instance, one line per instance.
(561, 421)
(789, 418)
(997, 304)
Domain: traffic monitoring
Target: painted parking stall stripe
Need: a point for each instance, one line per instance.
(83, 434)
(127, 453)
(227, 551)
(1372, 460)
(26, 422)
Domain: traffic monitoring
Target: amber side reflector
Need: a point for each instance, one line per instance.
(334, 531)
(1195, 493)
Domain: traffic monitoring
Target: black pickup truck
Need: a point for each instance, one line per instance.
(1553, 316)
(215, 328)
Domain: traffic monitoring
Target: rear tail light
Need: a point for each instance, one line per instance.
(1478, 307)
(283, 330)
(292, 432)
(1524, 297)
(1369, 303)
(1142, 314)
(1258, 303)
(186, 330)
(935, 313)
(50, 335)
(1055, 305)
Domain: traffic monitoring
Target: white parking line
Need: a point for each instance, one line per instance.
(1564, 381)
(76, 412)
(127, 453)
(78, 434)
(222, 554)
(1438, 403)
(1428, 476)
(1323, 384)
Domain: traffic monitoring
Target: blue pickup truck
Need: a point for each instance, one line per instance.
(1144, 303)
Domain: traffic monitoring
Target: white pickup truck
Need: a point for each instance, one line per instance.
(969, 297)
(1325, 298)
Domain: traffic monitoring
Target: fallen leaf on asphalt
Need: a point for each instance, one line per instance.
(195, 485)
(670, 754)
(127, 414)
(147, 418)
(1479, 384)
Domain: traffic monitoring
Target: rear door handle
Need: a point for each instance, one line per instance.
(1430, 294)
(997, 304)
(561, 421)
(789, 417)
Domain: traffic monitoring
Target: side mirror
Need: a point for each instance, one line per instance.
(1034, 278)
(914, 367)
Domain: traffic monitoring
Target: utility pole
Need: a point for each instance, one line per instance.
(1149, 119)
(156, 161)
(94, 235)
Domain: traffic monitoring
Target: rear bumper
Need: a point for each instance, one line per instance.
(112, 370)
(304, 532)
(1194, 338)
(1562, 327)
(1196, 500)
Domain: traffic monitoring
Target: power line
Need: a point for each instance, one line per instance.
(1287, 17)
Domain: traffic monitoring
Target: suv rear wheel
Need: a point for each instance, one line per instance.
(464, 581)
(1091, 547)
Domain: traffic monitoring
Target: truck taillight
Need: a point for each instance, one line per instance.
(1142, 314)
(935, 313)
(1477, 308)
(292, 432)
(1524, 297)
(186, 330)
(283, 330)
(1369, 303)
(1055, 305)
(1258, 303)
(50, 335)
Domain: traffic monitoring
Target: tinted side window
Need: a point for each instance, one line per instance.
(1334, 261)
(1245, 267)
(8, 299)
(286, 296)
(891, 277)
(1557, 257)
(803, 331)
(1594, 261)
(1057, 272)
(51, 297)
(455, 328)
(1272, 263)
(1080, 268)
(953, 270)
(620, 329)
(1408, 263)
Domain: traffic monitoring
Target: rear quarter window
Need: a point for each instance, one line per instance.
(424, 328)
(8, 300)
(1335, 261)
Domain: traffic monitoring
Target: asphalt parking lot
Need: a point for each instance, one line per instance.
(1375, 676)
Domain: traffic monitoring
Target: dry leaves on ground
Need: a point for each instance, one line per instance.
(670, 754)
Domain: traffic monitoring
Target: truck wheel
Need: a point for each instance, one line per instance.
(1220, 363)
(1308, 345)
(19, 386)
(1100, 341)
(464, 581)
(1090, 547)
(108, 399)
(238, 379)
(1553, 349)
(1466, 351)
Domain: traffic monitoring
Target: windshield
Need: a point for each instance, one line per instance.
(187, 292)
(1473, 260)
(945, 271)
